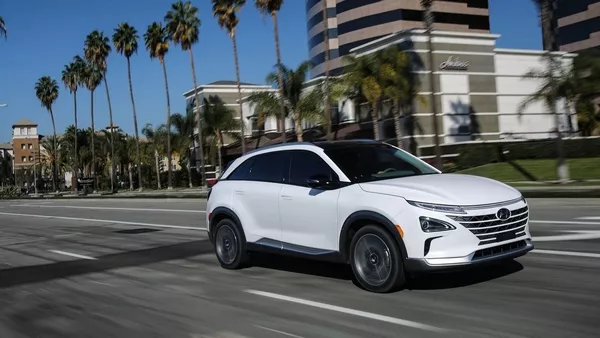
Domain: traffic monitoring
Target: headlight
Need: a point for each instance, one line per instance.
(434, 225)
(452, 209)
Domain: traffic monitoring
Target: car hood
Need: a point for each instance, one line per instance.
(453, 189)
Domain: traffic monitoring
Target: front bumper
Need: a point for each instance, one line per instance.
(478, 258)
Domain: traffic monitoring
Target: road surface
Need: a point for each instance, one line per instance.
(144, 268)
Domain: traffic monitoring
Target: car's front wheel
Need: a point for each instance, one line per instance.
(229, 245)
(376, 260)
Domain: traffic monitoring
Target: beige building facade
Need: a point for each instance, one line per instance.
(352, 23)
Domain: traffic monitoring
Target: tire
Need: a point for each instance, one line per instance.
(376, 260)
(230, 245)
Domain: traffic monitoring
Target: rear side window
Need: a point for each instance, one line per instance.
(267, 167)
(306, 164)
(242, 171)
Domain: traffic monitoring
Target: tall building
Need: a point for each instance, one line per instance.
(352, 23)
(576, 25)
(26, 143)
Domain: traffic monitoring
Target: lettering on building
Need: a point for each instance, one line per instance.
(454, 64)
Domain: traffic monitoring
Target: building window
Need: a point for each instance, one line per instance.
(30, 131)
(23, 159)
(23, 131)
(30, 158)
(30, 146)
(23, 146)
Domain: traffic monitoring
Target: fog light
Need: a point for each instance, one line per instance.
(434, 225)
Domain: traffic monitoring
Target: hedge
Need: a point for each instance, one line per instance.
(476, 154)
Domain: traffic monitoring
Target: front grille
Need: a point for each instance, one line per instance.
(490, 229)
(498, 250)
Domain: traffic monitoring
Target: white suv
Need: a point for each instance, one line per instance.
(372, 205)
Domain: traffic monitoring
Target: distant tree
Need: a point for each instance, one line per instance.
(96, 51)
(92, 77)
(46, 90)
(156, 138)
(271, 8)
(157, 43)
(183, 127)
(225, 12)
(72, 77)
(183, 26)
(218, 118)
(125, 40)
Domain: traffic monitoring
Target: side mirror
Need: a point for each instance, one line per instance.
(321, 182)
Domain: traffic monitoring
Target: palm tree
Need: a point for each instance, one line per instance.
(225, 12)
(545, 11)
(156, 137)
(3, 30)
(326, 61)
(46, 90)
(183, 126)
(272, 7)
(396, 75)
(72, 77)
(301, 106)
(183, 26)
(218, 118)
(428, 19)
(556, 83)
(363, 78)
(96, 52)
(92, 77)
(157, 43)
(125, 40)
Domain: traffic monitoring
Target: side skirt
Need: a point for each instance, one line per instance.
(271, 246)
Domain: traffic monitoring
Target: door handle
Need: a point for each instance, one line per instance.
(286, 197)
(239, 192)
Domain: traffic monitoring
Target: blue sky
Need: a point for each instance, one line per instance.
(45, 35)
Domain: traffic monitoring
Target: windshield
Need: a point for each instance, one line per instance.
(374, 162)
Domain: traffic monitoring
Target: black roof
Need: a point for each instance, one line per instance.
(231, 83)
(327, 145)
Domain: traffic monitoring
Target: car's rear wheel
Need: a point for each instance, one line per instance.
(376, 260)
(230, 245)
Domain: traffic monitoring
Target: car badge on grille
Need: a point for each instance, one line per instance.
(503, 214)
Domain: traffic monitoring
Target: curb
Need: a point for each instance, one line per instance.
(537, 193)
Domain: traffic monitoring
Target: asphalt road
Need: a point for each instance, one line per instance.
(144, 268)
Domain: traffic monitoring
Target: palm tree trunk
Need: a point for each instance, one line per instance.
(75, 158)
(327, 103)
(54, 163)
(239, 88)
(135, 126)
(219, 148)
(200, 141)
(129, 168)
(298, 128)
(428, 17)
(157, 169)
(189, 168)
(112, 137)
(279, 77)
(95, 187)
(562, 169)
(398, 126)
(374, 120)
(169, 151)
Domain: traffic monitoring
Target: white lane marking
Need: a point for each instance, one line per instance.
(364, 314)
(567, 253)
(112, 208)
(104, 221)
(565, 222)
(277, 331)
(573, 236)
(68, 235)
(96, 282)
(590, 218)
(72, 254)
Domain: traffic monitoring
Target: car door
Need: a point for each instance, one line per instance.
(255, 197)
(308, 216)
